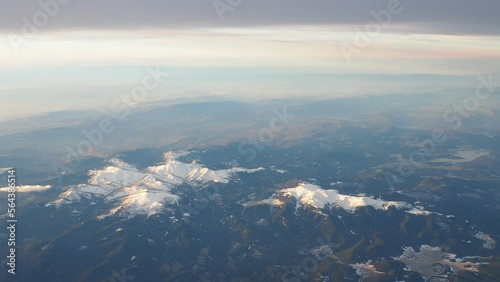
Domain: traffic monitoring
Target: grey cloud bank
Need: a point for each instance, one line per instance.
(424, 16)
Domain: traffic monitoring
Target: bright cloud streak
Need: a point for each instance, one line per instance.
(252, 47)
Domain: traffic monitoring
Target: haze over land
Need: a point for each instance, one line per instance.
(252, 50)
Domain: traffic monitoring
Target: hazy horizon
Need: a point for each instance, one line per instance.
(291, 49)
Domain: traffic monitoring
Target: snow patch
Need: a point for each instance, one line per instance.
(489, 243)
(431, 262)
(366, 271)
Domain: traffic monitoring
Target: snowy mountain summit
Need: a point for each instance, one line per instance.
(133, 191)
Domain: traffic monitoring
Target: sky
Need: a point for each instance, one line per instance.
(74, 54)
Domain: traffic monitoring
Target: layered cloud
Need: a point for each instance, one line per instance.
(426, 16)
(27, 188)
(68, 49)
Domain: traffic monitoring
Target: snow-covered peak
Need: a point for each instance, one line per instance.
(177, 172)
(172, 155)
(119, 173)
(133, 191)
(310, 195)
